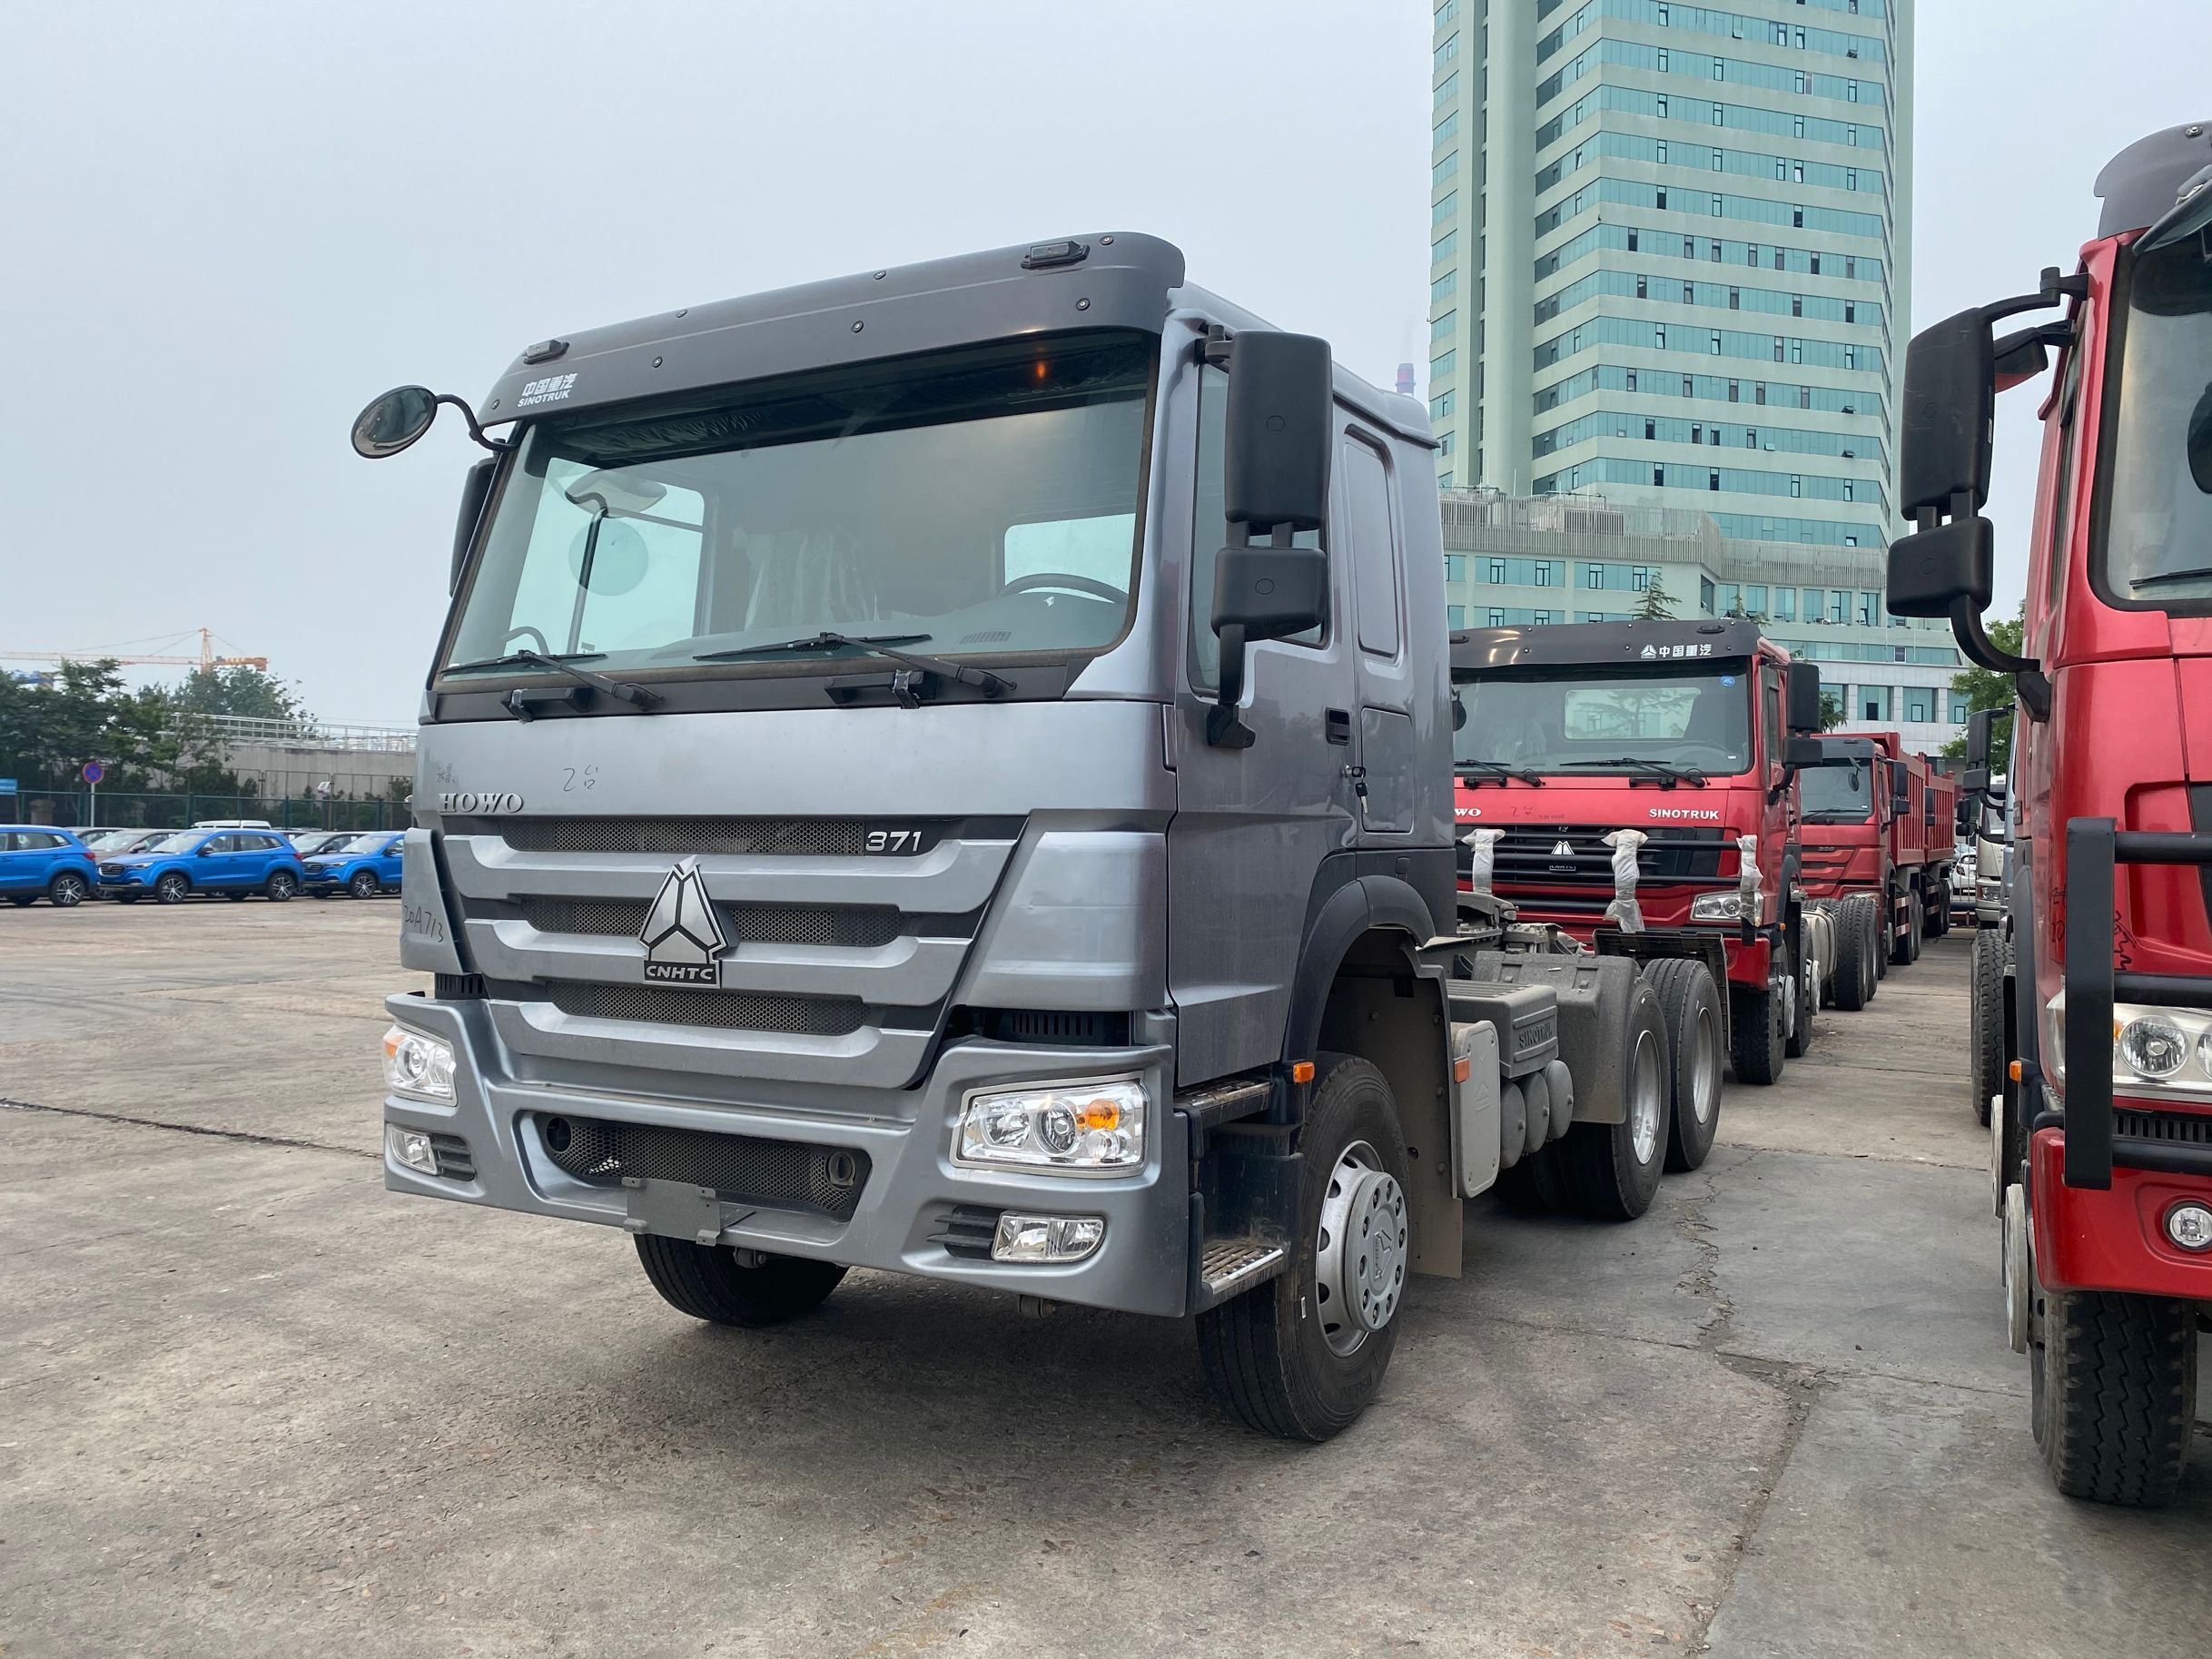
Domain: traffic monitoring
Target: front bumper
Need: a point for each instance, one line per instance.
(910, 1189)
(2112, 1238)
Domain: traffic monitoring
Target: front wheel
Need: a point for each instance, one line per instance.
(1690, 1005)
(709, 1282)
(68, 889)
(174, 888)
(364, 884)
(1985, 1022)
(1760, 1036)
(2114, 1394)
(281, 885)
(1303, 1355)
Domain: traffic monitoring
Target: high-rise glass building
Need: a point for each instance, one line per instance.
(1671, 256)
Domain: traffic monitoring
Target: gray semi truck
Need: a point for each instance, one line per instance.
(949, 771)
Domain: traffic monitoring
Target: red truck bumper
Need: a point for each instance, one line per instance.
(2114, 1239)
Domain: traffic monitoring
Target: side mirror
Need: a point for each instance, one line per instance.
(476, 489)
(1802, 752)
(1933, 571)
(1974, 780)
(393, 421)
(1275, 481)
(1804, 714)
(1950, 409)
(203, 850)
(1979, 726)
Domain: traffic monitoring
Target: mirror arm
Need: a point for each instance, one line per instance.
(497, 446)
(1983, 651)
(1224, 730)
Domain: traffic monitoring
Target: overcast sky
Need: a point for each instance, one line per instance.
(229, 225)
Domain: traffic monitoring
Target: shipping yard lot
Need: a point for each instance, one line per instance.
(249, 1403)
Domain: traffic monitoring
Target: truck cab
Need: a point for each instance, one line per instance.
(946, 770)
(2101, 1152)
(1880, 821)
(1574, 737)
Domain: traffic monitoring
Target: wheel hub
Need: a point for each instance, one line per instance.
(1646, 1099)
(1705, 1080)
(1361, 1252)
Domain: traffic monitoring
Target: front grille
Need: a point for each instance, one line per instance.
(797, 837)
(1529, 853)
(967, 1231)
(846, 925)
(2171, 1128)
(742, 1169)
(748, 1011)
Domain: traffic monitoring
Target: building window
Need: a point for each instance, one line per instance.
(1713, 480)
(1444, 169)
(1444, 247)
(1661, 152)
(1650, 430)
(1778, 347)
(1632, 242)
(1498, 618)
(1797, 305)
(1839, 602)
(1455, 567)
(1850, 267)
(1874, 703)
(1641, 579)
(1456, 617)
(1631, 380)
(1438, 367)
(1866, 610)
(1659, 476)
(1754, 600)
(1716, 204)
(1445, 52)
(1662, 194)
(1804, 397)
(1642, 287)
(1663, 106)
(1686, 390)
(1689, 247)
(1716, 342)
(1785, 604)
(1659, 335)
(1759, 392)
(1594, 576)
(1797, 487)
(1444, 444)
(1736, 299)
(1797, 221)
(1849, 486)
(1735, 389)
(1442, 405)
(1751, 437)
(1498, 572)
(1959, 709)
(1850, 310)
(1689, 294)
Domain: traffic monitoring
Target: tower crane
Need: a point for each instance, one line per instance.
(205, 659)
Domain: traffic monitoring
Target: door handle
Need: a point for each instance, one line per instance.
(1339, 725)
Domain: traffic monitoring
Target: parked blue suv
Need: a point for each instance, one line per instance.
(363, 865)
(36, 860)
(235, 863)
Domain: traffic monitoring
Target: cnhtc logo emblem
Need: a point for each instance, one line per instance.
(683, 937)
(1562, 849)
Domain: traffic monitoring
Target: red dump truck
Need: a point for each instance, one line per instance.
(1879, 829)
(2101, 1144)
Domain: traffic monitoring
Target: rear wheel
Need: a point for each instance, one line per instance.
(1803, 1003)
(1690, 1007)
(1534, 1185)
(2115, 1394)
(1905, 948)
(1611, 1170)
(1759, 1037)
(174, 888)
(1938, 912)
(364, 884)
(707, 1282)
(1855, 973)
(281, 885)
(1985, 1021)
(68, 889)
(1303, 1355)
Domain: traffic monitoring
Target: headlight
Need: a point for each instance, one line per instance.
(1066, 1129)
(417, 1065)
(2153, 1050)
(1723, 908)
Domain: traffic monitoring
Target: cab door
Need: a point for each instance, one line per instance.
(216, 863)
(1365, 521)
(1252, 825)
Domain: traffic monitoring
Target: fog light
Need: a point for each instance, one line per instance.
(417, 1065)
(1046, 1238)
(2187, 1225)
(411, 1146)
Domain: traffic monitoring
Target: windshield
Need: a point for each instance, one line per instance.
(2156, 546)
(351, 844)
(981, 502)
(1836, 795)
(110, 841)
(1579, 719)
(180, 842)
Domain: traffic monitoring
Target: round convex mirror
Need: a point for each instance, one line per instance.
(393, 421)
(618, 561)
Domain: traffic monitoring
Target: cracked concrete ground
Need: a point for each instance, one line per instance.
(252, 1404)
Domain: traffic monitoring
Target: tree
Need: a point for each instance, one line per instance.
(239, 689)
(1658, 605)
(48, 731)
(1831, 708)
(1986, 688)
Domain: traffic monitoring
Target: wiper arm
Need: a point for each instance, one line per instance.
(621, 690)
(813, 642)
(1499, 769)
(2157, 577)
(1652, 768)
(879, 645)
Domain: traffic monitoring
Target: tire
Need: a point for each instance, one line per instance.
(1938, 912)
(126, 898)
(174, 888)
(1877, 907)
(23, 901)
(2115, 1395)
(1289, 1357)
(1985, 1022)
(1905, 949)
(706, 1282)
(1855, 973)
(280, 886)
(1690, 1007)
(364, 884)
(1757, 1042)
(68, 889)
(1611, 1170)
(236, 898)
(1799, 1011)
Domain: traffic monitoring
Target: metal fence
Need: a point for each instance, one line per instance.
(109, 809)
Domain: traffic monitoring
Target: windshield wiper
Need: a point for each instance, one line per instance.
(877, 645)
(1672, 774)
(1486, 770)
(2157, 576)
(517, 703)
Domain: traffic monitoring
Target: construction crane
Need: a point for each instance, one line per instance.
(205, 659)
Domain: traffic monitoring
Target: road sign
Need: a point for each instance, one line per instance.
(7, 785)
(93, 772)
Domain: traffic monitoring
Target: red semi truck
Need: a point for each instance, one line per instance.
(2102, 1147)
(1881, 822)
(1685, 736)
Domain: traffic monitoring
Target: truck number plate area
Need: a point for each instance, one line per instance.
(672, 1209)
(899, 840)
